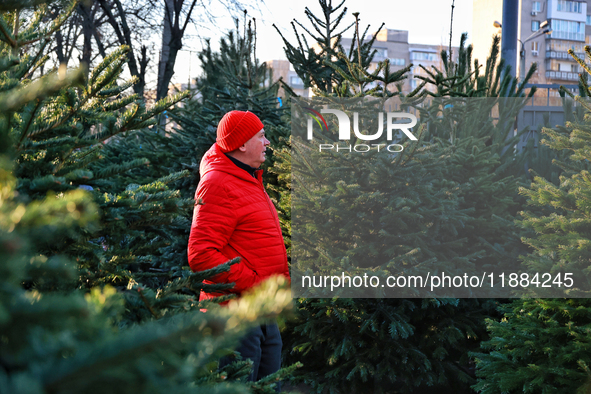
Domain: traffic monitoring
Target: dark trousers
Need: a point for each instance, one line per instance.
(262, 345)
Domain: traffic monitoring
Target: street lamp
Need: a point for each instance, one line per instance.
(543, 29)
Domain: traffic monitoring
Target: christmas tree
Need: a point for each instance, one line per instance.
(379, 344)
(88, 302)
(541, 345)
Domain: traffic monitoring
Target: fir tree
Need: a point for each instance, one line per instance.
(127, 334)
(541, 345)
(377, 345)
(325, 69)
(58, 139)
(481, 156)
(64, 342)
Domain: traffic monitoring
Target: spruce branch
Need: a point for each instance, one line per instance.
(146, 303)
(45, 86)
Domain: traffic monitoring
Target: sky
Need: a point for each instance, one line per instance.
(427, 21)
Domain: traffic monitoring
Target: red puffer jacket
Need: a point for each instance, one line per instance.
(237, 218)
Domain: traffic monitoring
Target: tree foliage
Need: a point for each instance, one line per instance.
(94, 296)
(540, 344)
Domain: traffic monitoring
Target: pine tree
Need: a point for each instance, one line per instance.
(64, 342)
(481, 158)
(541, 345)
(112, 322)
(380, 345)
(325, 69)
(59, 139)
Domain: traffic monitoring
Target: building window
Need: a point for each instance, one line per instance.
(424, 56)
(397, 61)
(536, 6)
(535, 46)
(295, 81)
(569, 30)
(589, 19)
(535, 25)
(381, 52)
(563, 46)
(569, 6)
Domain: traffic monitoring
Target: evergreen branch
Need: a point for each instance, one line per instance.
(107, 77)
(120, 103)
(126, 119)
(5, 31)
(170, 178)
(164, 104)
(267, 302)
(56, 24)
(145, 124)
(318, 40)
(49, 182)
(8, 62)
(117, 89)
(197, 277)
(55, 120)
(581, 62)
(40, 13)
(39, 61)
(78, 176)
(30, 117)
(115, 169)
(126, 348)
(339, 34)
(140, 292)
(11, 5)
(44, 144)
(111, 58)
(80, 161)
(279, 375)
(8, 84)
(45, 86)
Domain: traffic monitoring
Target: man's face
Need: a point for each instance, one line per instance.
(254, 149)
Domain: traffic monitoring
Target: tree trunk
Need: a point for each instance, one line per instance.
(172, 42)
(164, 66)
(87, 26)
(123, 33)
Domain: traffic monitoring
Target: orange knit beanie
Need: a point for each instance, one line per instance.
(235, 128)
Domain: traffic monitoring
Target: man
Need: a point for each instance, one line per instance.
(237, 219)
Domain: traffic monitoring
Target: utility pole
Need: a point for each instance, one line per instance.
(509, 37)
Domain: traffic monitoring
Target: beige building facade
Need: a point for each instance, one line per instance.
(283, 69)
(570, 24)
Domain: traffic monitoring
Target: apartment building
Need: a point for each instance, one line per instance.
(283, 69)
(570, 25)
(389, 44)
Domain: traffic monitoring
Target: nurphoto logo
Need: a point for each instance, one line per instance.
(345, 130)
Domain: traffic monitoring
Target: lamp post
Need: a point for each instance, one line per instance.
(543, 29)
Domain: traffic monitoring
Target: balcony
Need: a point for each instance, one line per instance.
(568, 35)
(563, 55)
(562, 75)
